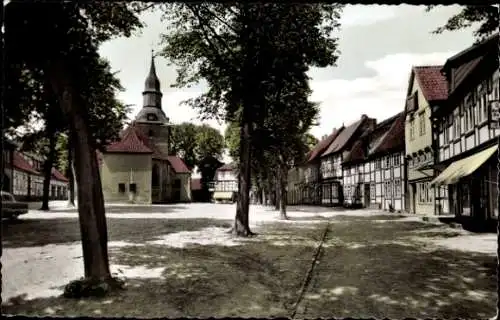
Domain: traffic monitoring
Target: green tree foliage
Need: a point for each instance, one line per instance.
(209, 142)
(61, 52)
(239, 50)
(310, 141)
(194, 143)
(232, 140)
(485, 15)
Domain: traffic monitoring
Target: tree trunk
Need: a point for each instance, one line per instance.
(90, 199)
(283, 191)
(277, 191)
(49, 163)
(241, 225)
(70, 173)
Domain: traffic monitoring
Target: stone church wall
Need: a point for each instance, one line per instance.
(119, 171)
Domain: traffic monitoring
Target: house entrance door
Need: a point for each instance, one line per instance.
(367, 195)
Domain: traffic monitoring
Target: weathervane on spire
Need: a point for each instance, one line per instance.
(153, 54)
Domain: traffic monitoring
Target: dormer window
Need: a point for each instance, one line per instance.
(152, 117)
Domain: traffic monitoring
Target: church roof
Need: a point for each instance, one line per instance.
(152, 82)
(130, 142)
(178, 165)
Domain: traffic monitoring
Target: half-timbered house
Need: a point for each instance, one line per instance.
(427, 87)
(332, 158)
(374, 171)
(310, 189)
(465, 141)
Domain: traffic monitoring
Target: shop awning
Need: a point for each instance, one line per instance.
(223, 195)
(463, 167)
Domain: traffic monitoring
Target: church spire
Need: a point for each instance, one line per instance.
(152, 93)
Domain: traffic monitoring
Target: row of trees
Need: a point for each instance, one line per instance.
(254, 57)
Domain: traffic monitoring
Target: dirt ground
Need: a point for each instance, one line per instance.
(374, 266)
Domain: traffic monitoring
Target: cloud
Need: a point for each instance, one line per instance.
(380, 96)
(357, 15)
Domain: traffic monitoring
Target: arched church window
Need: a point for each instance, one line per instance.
(152, 117)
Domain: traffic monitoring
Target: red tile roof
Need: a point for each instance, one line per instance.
(178, 165)
(226, 167)
(22, 164)
(58, 175)
(196, 184)
(322, 145)
(344, 137)
(394, 139)
(432, 83)
(130, 142)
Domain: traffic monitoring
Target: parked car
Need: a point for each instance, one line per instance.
(11, 209)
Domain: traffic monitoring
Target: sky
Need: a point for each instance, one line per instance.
(378, 45)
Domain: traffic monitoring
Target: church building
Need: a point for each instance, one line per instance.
(139, 167)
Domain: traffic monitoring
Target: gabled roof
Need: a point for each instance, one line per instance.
(322, 145)
(394, 138)
(432, 83)
(357, 152)
(387, 136)
(132, 140)
(466, 61)
(470, 50)
(344, 137)
(178, 165)
(56, 175)
(20, 163)
(227, 167)
(129, 142)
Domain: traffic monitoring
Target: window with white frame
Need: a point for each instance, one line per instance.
(378, 164)
(372, 191)
(388, 162)
(446, 132)
(412, 128)
(397, 183)
(429, 192)
(422, 124)
(456, 127)
(397, 160)
(484, 107)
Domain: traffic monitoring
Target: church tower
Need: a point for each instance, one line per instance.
(151, 119)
